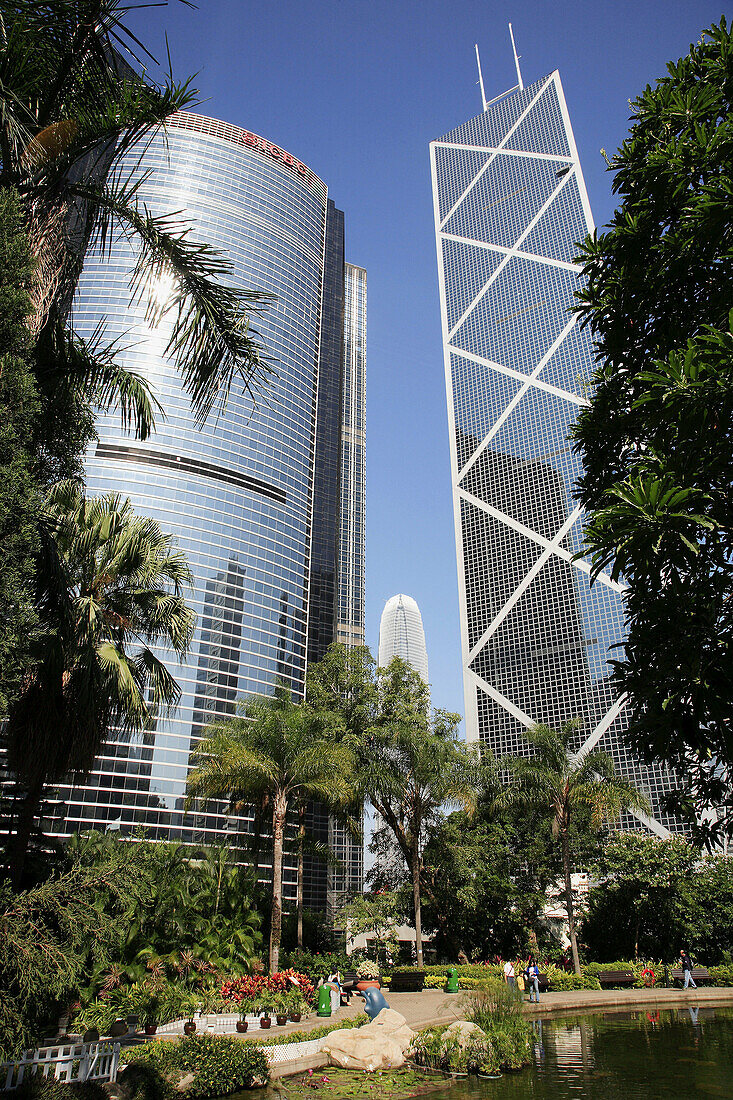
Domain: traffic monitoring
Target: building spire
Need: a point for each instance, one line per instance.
(518, 87)
(520, 82)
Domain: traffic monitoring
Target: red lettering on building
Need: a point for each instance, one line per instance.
(264, 146)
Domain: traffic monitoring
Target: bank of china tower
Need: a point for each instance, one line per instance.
(510, 206)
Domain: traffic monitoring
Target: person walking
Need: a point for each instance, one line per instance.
(532, 979)
(686, 964)
(509, 975)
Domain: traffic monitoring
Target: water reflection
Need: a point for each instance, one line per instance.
(642, 1055)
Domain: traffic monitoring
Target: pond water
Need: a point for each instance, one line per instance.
(671, 1055)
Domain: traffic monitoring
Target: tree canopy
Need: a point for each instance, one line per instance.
(657, 437)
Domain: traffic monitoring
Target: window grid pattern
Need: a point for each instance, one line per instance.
(352, 565)
(510, 208)
(401, 634)
(249, 552)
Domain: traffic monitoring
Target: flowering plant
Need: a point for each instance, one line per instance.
(367, 970)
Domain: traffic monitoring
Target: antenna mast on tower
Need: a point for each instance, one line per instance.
(517, 87)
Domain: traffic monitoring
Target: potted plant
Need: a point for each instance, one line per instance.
(281, 1009)
(265, 1007)
(191, 1003)
(244, 1007)
(296, 1005)
(368, 974)
(150, 1007)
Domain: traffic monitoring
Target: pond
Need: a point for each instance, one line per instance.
(669, 1055)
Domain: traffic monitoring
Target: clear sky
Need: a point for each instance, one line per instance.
(357, 89)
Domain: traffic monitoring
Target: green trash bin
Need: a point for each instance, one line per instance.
(451, 985)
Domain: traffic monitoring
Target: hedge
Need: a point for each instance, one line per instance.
(220, 1064)
(303, 1036)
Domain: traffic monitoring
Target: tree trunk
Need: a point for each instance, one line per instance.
(279, 813)
(18, 846)
(569, 899)
(415, 861)
(299, 903)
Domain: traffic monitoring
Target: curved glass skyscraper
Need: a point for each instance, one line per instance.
(510, 204)
(401, 634)
(254, 499)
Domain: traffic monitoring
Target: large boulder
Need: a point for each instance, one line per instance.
(462, 1033)
(377, 1045)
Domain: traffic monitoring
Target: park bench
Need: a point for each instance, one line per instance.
(407, 981)
(699, 974)
(542, 981)
(608, 978)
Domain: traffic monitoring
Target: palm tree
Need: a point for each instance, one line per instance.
(412, 765)
(71, 110)
(274, 747)
(113, 587)
(558, 781)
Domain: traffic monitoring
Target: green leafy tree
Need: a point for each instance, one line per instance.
(71, 111)
(654, 897)
(560, 782)
(641, 906)
(412, 765)
(53, 936)
(114, 587)
(20, 495)
(657, 437)
(485, 883)
(196, 914)
(278, 748)
(377, 915)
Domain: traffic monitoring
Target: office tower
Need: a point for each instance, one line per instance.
(350, 623)
(510, 204)
(254, 499)
(401, 634)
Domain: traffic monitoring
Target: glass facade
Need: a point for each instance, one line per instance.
(401, 634)
(244, 495)
(350, 624)
(510, 204)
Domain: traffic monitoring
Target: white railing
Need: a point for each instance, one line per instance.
(64, 1061)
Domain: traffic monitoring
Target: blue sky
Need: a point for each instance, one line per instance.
(357, 89)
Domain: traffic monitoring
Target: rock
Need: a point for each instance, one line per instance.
(462, 1033)
(374, 1046)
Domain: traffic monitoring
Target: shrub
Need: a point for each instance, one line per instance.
(144, 1081)
(219, 1064)
(48, 1088)
(317, 965)
(721, 975)
(559, 981)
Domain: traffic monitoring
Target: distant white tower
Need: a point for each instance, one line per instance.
(401, 634)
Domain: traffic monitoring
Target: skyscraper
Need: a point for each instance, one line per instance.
(510, 204)
(255, 498)
(401, 634)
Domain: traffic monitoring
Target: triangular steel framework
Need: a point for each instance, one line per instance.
(536, 636)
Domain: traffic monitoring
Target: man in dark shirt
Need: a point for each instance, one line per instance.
(686, 964)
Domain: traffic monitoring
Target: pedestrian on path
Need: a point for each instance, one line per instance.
(509, 975)
(686, 964)
(532, 979)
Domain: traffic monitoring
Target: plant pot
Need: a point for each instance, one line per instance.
(242, 1026)
(91, 1035)
(367, 983)
(150, 1029)
(190, 1027)
(295, 1017)
(118, 1029)
(281, 1018)
(265, 1021)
